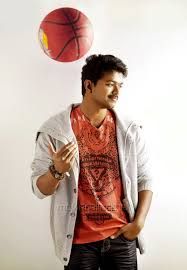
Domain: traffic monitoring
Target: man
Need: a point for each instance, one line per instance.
(94, 165)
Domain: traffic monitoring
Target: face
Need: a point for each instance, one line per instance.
(106, 92)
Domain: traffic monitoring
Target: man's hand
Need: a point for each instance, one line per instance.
(64, 158)
(130, 231)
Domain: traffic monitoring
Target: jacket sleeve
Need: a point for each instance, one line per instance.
(41, 162)
(144, 170)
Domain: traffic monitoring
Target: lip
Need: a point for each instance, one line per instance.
(114, 98)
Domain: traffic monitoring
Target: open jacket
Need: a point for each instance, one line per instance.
(134, 166)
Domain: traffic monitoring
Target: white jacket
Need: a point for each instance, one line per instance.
(135, 174)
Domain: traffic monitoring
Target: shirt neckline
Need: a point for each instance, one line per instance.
(88, 120)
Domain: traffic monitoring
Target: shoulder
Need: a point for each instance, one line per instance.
(60, 118)
(53, 121)
(58, 125)
(128, 122)
(54, 124)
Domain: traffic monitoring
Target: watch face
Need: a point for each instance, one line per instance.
(57, 176)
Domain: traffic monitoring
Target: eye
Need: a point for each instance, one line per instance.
(110, 84)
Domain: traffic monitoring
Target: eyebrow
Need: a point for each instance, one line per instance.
(114, 82)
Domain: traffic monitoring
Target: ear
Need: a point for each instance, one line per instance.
(88, 85)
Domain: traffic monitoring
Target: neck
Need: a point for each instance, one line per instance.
(95, 114)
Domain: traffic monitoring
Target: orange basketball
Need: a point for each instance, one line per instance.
(65, 34)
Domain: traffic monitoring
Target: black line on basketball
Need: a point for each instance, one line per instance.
(73, 28)
(64, 24)
(67, 43)
(82, 27)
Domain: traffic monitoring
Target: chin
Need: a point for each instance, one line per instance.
(111, 104)
(108, 105)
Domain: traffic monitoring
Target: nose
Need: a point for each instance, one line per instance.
(116, 89)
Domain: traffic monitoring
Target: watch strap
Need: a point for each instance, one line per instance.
(57, 175)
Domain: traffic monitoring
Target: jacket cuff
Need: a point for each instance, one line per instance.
(36, 190)
(145, 185)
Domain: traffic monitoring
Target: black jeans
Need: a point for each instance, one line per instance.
(115, 254)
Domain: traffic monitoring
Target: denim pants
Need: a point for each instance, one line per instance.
(115, 254)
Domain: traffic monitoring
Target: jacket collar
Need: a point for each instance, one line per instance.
(60, 124)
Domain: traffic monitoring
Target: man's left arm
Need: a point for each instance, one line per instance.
(144, 202)
(145, 180)
(132, 229)
(145, 187)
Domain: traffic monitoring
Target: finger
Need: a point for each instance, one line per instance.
(71, 155)
(65, 148)
(51, 149)
(120, 231)
(66, 154)
(126, 228)
(72, 160)
(62, 149)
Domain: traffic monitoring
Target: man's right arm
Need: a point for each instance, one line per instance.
(43, 181)
(47, 184)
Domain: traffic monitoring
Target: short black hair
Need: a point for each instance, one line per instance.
(97, 65)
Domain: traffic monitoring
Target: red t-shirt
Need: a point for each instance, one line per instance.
(100, 190)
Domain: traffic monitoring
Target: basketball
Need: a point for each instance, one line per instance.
(65, 34)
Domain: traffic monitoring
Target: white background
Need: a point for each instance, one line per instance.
(151, 38)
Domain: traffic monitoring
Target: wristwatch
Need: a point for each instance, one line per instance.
(57, 175)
